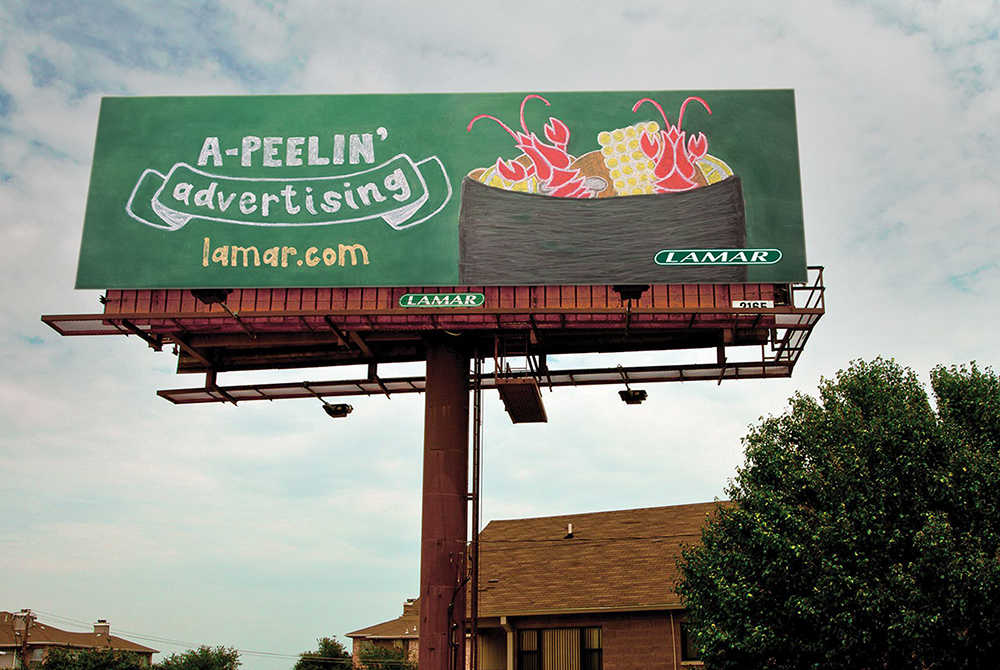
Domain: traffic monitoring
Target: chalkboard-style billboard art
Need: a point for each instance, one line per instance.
(444, 190)
(568, 240)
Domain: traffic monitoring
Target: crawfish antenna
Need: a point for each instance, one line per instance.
(524, 102)
(680, 118)
(492, 118)
(636, 106)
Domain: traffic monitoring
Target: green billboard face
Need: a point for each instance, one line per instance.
(444, 190)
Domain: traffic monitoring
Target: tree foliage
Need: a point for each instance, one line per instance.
(384, 658)
(62, 658)
(330, 655)
(864, 530)
(203, 658)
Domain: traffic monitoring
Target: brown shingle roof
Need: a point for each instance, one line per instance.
(615, 561)
(402, 627)
(618, 560)
(43, 635)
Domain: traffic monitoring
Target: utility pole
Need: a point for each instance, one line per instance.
(23, 621)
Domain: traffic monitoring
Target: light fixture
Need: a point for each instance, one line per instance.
(337, 411)
(211, 296)
(334, 411)
(630, 291)
(630, 396)
(217, 296)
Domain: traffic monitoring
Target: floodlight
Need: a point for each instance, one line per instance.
(211, 296)
(338, 411)
(217, 296)
(630, 291)
(632, 396)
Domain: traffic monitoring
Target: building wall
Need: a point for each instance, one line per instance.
(355, 650)
(410, 647)
(648, 640)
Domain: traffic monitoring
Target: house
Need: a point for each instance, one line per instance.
(399, 633)
(23, 640)
(580, 591)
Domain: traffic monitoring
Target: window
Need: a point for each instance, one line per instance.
(559, 649)
(527, 650)
(689, 646)
(591, 649)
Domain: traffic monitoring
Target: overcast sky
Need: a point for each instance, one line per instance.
(267, 526)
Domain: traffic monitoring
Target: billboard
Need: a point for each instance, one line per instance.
(444, 190)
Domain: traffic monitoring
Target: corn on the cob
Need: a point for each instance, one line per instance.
(631, 171)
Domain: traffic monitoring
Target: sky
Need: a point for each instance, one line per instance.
(267, 526)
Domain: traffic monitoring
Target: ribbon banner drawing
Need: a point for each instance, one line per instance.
(401, 192)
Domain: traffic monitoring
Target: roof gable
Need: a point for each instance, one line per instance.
(402, 627)
(618, 560)
(624, 560)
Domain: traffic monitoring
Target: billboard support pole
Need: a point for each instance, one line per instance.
(444, 516)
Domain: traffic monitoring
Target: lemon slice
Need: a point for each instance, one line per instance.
(714, 169)
(491, 177)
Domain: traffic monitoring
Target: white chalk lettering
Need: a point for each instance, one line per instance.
(250, 145)
(247, 201)
(210, 149)
(182, 192)
(331, 202)
(338, 149)
(203, 197)
(293, 151)
(314, 157)
(362, 148)
(224, 203)
(270, 151)
(396, 181)
(273, 151)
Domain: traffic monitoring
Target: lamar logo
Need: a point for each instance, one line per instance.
(717, 257)
(442, 300)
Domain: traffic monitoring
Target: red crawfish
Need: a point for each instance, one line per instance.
(675, 168)
(550, 163)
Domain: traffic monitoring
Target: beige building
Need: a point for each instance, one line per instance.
(575, 592)
(23, 640)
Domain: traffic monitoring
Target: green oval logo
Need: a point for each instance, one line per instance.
(717, 257)
(442, 300)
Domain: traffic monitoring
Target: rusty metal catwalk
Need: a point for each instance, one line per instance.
(293, 328)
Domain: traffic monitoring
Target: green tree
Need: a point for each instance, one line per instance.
(384, 658)
(330, 655)
(864, 530)
(61, 658)
(203, 658)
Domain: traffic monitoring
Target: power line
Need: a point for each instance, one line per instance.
(270, 654)
(174, 642)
